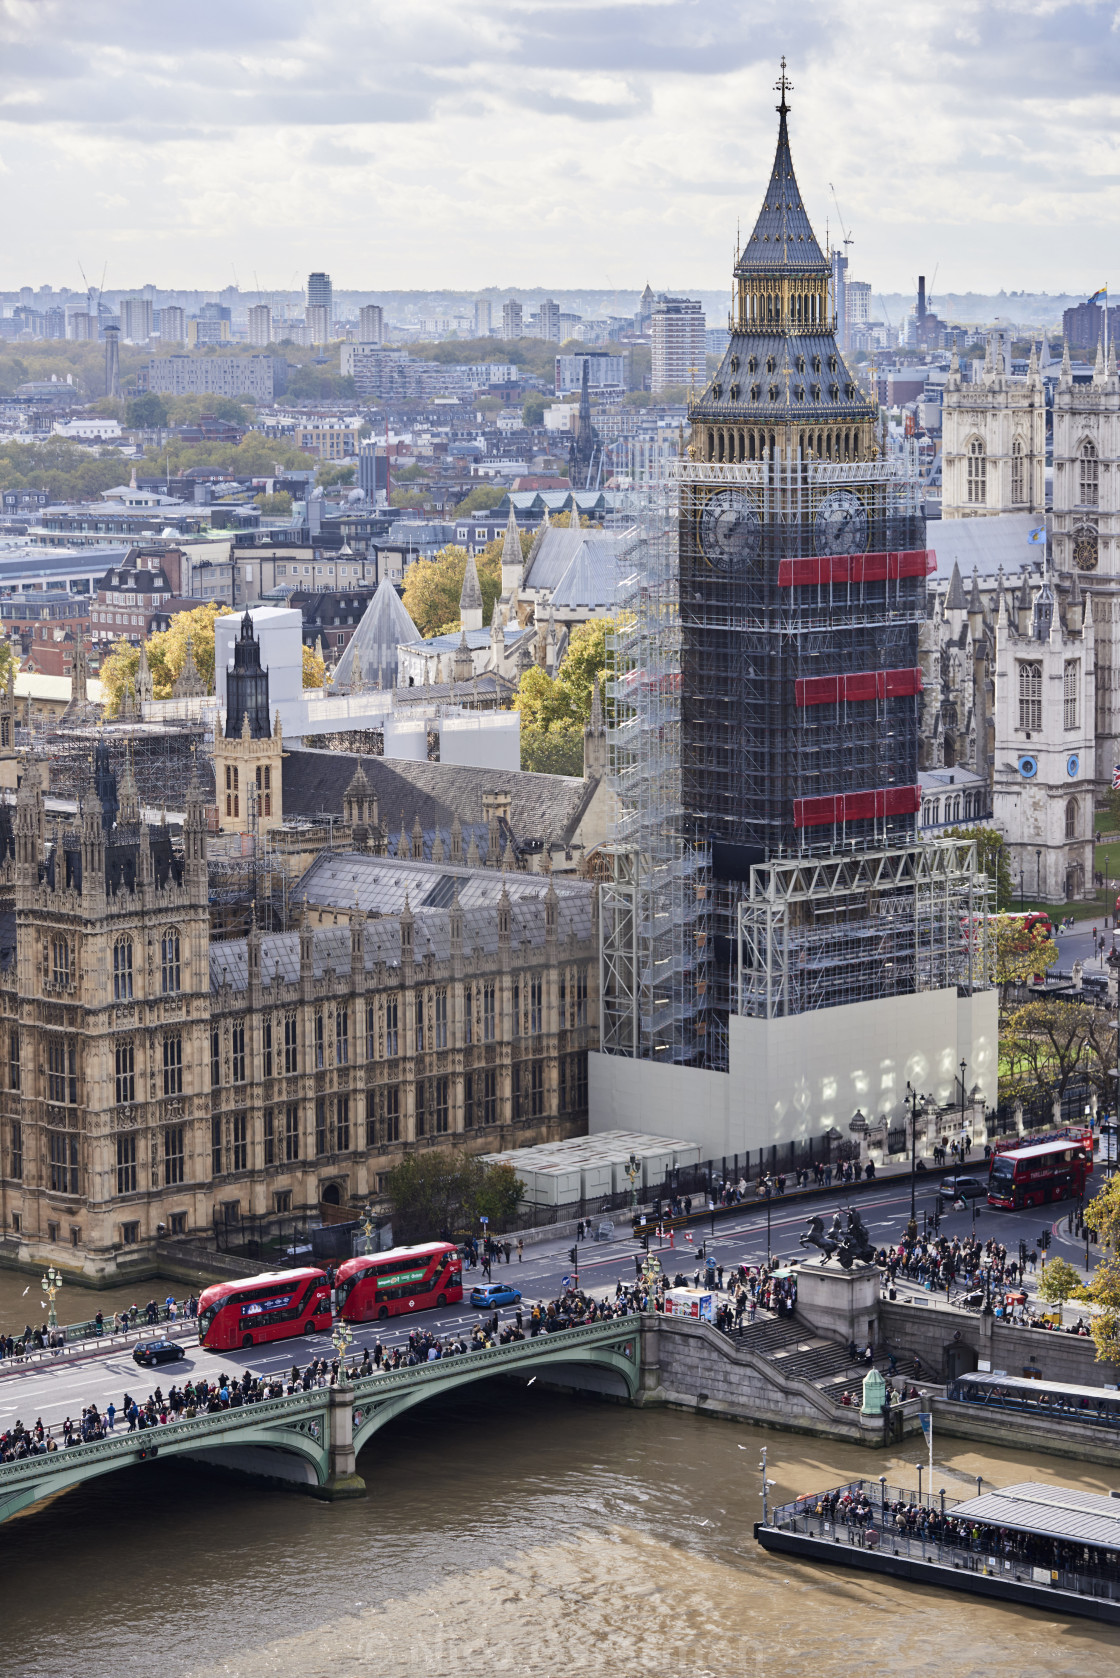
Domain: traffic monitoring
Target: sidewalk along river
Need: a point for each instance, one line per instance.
(22, 1298)
(508, 1529)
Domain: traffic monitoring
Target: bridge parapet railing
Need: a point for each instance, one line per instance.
(111, 1339)
(517, 1351)
(126, 1444)
(295, 1405)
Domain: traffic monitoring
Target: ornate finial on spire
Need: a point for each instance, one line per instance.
(783, 85)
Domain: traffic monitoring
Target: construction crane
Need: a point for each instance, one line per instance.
(849, 238)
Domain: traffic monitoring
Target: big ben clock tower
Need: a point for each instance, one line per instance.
(802, 572)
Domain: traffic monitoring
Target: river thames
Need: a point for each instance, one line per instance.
(509, 1530)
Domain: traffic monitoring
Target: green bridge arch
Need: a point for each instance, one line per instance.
(309, 1441)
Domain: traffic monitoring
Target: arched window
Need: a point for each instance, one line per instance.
(1018, 471)
(122, 970)
(1071, 819)
(977, 473)
(1088, 489)
(169, 960)
(1030, 695)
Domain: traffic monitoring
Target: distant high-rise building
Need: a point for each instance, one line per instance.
(112, 361)
(320, 295)
(172, 325)
(54, 323)
(857, 313)
(318, 324)
(260, 325)
(81, 325)
(678, 343)
(482, 314)
(511, 319)
(136, 319)
(548, 321)
(370, 324)
(1083, 326)
(840, 296)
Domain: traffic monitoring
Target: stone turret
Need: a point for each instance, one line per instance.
(470, 599)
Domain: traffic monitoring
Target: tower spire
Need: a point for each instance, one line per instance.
(783, 85)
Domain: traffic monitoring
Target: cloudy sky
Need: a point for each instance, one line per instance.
(569, 143)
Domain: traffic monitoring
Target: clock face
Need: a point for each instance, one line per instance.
(841, 524)
(730, 529)
(1085, 550)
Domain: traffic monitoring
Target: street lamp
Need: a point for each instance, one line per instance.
(1038, 873)
(964, 1064)
(912, 1226)
(341, 1339)
(651, 1272)
(52, 1281)
(769, 1191)
(368, 1226)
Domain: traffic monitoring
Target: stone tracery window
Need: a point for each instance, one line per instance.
(977, 473)
(1088, 485)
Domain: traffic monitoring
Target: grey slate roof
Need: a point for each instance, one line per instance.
(793, 379)
(578, 568)
(782, 235)
(385, 624)
(984, 543)
(546, 807)
(380, 885)
(431, 935)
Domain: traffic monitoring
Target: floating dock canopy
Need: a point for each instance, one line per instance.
(1063, 1512)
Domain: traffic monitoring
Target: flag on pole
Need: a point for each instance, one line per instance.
(1100, 296)
(1037, 537)
(926, 1419)
(1116, 777)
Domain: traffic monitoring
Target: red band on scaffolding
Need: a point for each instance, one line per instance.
(864, 684)
(856, 806)
(856, 568)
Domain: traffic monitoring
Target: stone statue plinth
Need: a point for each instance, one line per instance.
(843, 1304)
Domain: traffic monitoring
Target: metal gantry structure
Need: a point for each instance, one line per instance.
(819, 932)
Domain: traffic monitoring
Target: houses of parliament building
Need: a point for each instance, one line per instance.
(157, 1083)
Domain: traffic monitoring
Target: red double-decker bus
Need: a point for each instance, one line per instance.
(398, 1282)
(1041, 1168)
(270, 1307)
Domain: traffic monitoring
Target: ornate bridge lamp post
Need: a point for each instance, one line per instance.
(52, 1281)
(341, 1339)
(651, 1273)
(368, 1226)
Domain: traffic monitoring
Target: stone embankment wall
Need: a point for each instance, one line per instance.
(933, 1330)
(691, 1366)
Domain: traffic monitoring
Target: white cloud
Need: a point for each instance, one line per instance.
(576, 142)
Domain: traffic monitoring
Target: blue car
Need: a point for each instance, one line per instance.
(495, 1293)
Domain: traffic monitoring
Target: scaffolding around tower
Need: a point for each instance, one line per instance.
(655, 948)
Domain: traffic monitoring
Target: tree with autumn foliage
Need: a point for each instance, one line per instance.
(432, 587)
(167, 654)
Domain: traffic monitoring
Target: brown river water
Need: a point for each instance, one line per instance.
(510, 1530)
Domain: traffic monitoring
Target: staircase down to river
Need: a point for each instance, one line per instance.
(795, 1350)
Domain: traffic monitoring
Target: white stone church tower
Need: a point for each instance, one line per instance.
(1086, 525)
(993, 442)
(1043, 768)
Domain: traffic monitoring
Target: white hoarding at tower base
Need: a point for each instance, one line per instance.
(794, 1078)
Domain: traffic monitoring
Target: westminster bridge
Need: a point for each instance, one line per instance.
(310, 1440)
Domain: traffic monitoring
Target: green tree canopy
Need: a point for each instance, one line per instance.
(441, 1194)
(432, 587)
(144, 413)
(1059, 1281)
(167, 653)
(555, 710)
(532, 413)
(991, 854)
(480, 500)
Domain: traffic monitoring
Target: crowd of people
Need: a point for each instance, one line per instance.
(43, 1338)
(873, 1517)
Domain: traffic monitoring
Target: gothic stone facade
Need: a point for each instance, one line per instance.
(157, 1083)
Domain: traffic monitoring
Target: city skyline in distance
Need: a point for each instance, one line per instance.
(586, 145)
